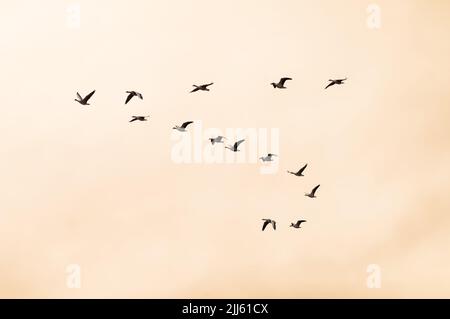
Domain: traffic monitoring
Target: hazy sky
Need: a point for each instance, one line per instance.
(80, 185)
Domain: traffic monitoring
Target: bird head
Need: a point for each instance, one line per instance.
(292, 225)
(273, 84)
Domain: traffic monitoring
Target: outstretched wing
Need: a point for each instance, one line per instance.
(331, 84)
(236, 145)
(283, 80)
(196, 89)
(185, 124)
(135, 118)
(79, 96)
(129, 97)
(302, 169)
(87, 97)
(274, 224)
(314, 190)
(266, 222)
(206, 85)
(139, 95)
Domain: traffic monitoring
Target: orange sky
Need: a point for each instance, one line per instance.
(81, 185)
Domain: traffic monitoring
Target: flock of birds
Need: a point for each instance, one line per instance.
(221, 139)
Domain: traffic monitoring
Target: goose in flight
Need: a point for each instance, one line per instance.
(280, 85)
(298, 223)
(313, 192)
(182, 128)
(84, 101)
(132, 94)
(218, 139)
(269, 221)
(333, 82)
(203, 87)
(300, 172)
(268, 158)
(234, 148)
(139, 118)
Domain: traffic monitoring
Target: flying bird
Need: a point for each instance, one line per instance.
(84, 101)
(268, 158)
(269, 221)
(132, 94)
(298, 223)
(218, 139)
(182, 128)
(333, 82)
(139, 118)
(300, 172)
(203, 87)
(234, 148)
(280, 85)
(313, 192)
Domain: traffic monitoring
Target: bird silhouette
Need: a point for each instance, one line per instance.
(218, 139)
(182, 128)
(268, 158)
(131, 94)
(298, 223)
(280, 84)
(300, 171)
(139, 118)
(269, 221)
(203, 87)
(234, 148)
(84, 101)
(334, 82)
(313, 192)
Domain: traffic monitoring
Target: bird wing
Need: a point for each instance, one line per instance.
(283, 80)
(79, 96)
(195, 90)
(140, 96)
(236, 145)
(129, 97)
(331, 84)
(135, 118)
(266, 222)
(302, 169)
(274, 224)
(87, 97)
(206, 85)
(314, 190)
(185, 124)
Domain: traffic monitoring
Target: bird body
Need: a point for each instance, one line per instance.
(335, 82)
(234, 147)
(139, 118)
(84, 101)
(280, 84)
(218, 139)
(132, 94)
(203, 87)
(269, 221)
(313, 192)
(298, 223)
(182, 128)
(300, 172)
(268, 158)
